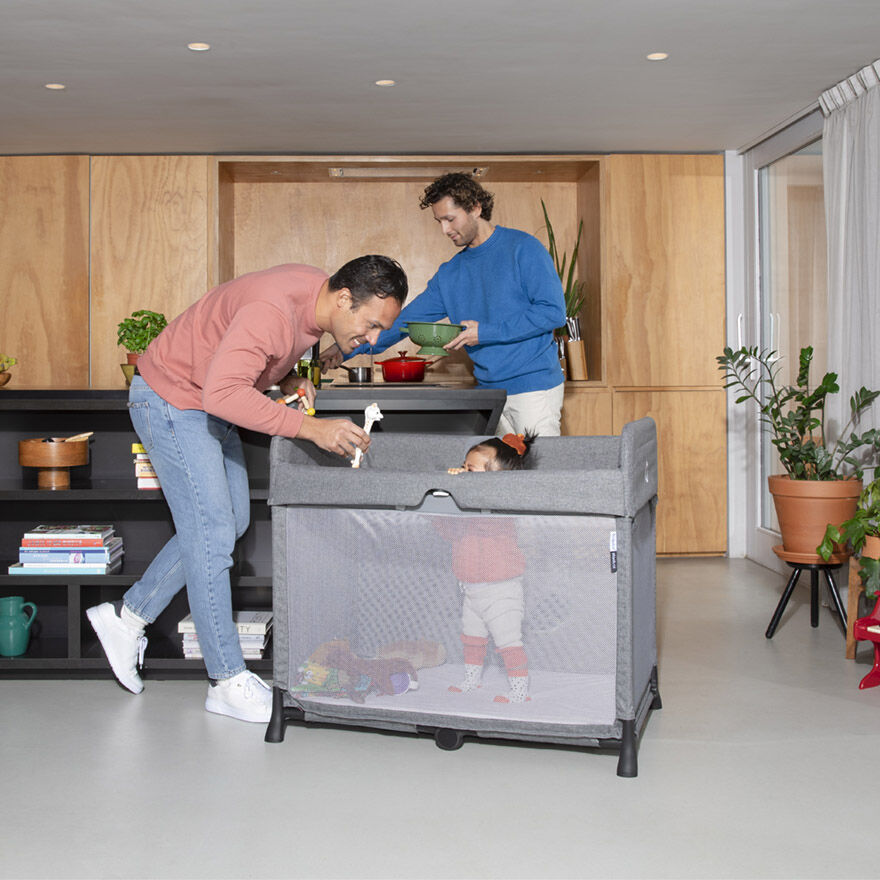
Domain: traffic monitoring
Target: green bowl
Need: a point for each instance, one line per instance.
(432, 337)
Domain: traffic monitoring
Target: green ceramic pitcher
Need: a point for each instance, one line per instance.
(15, 625)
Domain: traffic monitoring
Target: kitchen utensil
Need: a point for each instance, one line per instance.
(405, 368)
(432, 337)
(359, 375)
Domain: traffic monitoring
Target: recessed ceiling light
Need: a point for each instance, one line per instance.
(198, 47)
(385, 82)
(657, 56)
(56, 86)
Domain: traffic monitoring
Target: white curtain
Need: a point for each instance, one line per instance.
(851, 169)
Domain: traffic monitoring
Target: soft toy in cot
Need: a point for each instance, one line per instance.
(333, 669)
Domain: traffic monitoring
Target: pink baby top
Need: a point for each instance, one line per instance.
(234, 343)
(484, 549)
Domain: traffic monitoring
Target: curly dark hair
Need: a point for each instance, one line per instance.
(508, 458)
(463, 190)
(372, 275)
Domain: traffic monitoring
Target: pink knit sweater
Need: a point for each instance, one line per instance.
(234, 343)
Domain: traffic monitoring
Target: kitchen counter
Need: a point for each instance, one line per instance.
(453, 408)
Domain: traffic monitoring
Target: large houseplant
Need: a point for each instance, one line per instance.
(575, 296)
(795, 417)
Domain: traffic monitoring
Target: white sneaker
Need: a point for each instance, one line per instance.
(123, 644)
(244, 696)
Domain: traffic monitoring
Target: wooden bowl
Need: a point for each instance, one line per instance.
(53, 458)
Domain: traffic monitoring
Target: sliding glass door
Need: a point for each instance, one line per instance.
(787, 290)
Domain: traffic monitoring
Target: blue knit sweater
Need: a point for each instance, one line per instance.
(510, 285)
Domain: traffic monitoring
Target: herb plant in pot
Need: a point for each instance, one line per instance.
(575, 297)
(135, 333)
(821, 483)
(5, 363)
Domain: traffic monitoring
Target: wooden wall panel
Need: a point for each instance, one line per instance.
(663, 221)
(44, 264)
(150, 234)
(587, 411)
(692, 463)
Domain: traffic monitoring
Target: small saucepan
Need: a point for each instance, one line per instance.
(405, 368)
(359, 375)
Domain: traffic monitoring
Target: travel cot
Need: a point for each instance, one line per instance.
(370, 604)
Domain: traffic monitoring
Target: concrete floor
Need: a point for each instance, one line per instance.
(752, 768)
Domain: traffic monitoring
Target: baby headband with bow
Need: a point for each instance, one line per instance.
(515, 441)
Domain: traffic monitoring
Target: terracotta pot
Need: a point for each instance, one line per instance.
(872, 547)
(131, 357)
(4, 377)
(805, 507)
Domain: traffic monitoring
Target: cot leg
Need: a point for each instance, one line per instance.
(277, 723)
(628, 763)
(656, 703)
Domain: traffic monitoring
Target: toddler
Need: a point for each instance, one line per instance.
(489, 566)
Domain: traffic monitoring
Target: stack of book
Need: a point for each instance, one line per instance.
(69, 549)
(253, 634)
(143, 468)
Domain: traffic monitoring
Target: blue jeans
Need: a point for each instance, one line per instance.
(200, 463)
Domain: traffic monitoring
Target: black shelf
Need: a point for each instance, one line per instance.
(62, 643)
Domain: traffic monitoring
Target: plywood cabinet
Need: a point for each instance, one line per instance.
(663, 302)
(44, 269)
(692, 465)
(151, 224)
(663, 294)
(587, 410)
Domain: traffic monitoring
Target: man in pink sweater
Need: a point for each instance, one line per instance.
(201, 377)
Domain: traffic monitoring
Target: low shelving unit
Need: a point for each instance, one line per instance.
(105, 490)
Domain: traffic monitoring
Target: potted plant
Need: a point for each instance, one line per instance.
(136, 332)
(6, 361)
(861, 534)
(575, 297)
(814, 472)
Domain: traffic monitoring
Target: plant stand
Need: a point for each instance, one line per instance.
(827, 568)
(856, 588)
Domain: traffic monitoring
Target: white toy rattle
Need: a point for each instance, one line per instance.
(371, 414)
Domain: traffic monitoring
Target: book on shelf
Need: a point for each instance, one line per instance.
(144, 472)
(246, 622)
(70, 555)
(144, 469)
(61, 568)
(252, 646)
(67, 536)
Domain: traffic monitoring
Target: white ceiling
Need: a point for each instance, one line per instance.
(497, 76)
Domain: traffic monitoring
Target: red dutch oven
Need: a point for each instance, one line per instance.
(405, 368)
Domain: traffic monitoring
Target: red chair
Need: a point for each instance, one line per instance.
(862, 633)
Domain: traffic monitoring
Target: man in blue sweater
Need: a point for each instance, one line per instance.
(503, 287)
